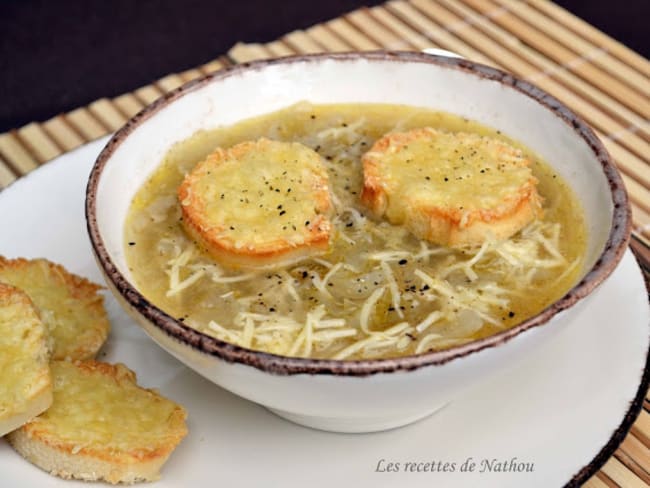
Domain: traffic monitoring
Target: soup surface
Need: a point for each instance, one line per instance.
(378, 292)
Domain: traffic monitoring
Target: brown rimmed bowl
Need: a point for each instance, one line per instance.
(371, 395)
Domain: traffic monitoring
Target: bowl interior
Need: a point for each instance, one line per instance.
(491, 98)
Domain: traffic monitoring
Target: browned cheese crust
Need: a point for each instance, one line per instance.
(101, 426)
(453, 189)
(258, 203)
(25, 382)
(69, 305)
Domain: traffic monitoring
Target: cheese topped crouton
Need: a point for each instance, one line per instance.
(258, 203)
(101, 426)
(453, 189)
(69, 305)
(25, 384)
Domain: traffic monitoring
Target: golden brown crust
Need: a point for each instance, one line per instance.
(94, 448)
(25, 384)
(70, 305)
(441, 218)
(304, 233)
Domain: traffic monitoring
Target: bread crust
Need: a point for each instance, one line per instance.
(83, 450)
(25, 382)
(70, 305)
(480, 188)
(258, 203)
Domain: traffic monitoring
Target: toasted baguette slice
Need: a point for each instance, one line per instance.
(25, 383)
(258, 203)
(69, 305)
(101, 426)
(453, 189)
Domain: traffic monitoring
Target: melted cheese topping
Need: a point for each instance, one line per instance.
(460, 173)
(70, 306)
(265, 191)
(23, 352)
(99, 407)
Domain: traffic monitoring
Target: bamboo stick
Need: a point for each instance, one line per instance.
(641, 428)
(190, 74)
(387, 39)
(242, 53)
(636, 457)
(564, 56)
(148, 94)
(16, 154)
(169, 82)
(593, 34)
(595, 482)
(85, 124)
(128, 104)
(413, 37)
(353, 37)
(548, 68)
(61, 132)
(325, 38)
(108, 114)
(212, 66)
(302, 43)
(7, 176)
(38, 142)
(277, 49)
(438, 34)
(620, 474)
(579, 45)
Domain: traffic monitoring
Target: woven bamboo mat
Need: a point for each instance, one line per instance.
(600, 79)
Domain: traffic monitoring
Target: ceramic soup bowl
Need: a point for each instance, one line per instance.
(369, 395)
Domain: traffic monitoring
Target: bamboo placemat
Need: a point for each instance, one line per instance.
(599, 78)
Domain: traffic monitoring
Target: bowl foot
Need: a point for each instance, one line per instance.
(355, 425)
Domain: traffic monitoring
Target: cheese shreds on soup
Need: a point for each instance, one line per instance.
(379, 291)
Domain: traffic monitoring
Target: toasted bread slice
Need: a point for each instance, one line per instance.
(25, 383)
(453, 189)
(101, 426)
(258, 203)
(69, 305)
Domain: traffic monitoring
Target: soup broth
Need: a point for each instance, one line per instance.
(379, 291)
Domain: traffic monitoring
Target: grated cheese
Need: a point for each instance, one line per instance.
(330, 323)
(331, 273)
(247, 333)
(392, 286)
(177, 286)
(535, 249)
(387, 256)
(330, 335)
(322, 262)
(319, 284)
(232, 279)
(368, 306)
(431, 319)
(223, 333)
(288, 286)
(435, 340)
(347, 132)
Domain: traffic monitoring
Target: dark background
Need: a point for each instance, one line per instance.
(59, 55)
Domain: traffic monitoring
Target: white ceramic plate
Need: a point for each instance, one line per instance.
(561, 412)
